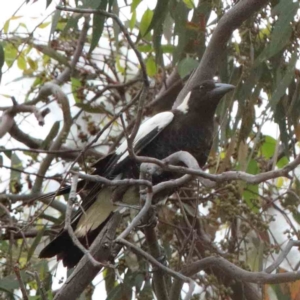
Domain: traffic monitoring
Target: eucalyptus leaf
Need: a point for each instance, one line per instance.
(145, 22)
(280, 36)
(186, 66)
(98, 24)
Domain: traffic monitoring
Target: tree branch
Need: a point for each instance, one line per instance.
(58, 205)
(238, 273)
(84, 273)
(160, 165)
(46, 90)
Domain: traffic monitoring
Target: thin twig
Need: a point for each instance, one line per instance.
(11, 236)
(39, 284)
(122, 27)
(21, 283)
(139, 216)
(282, 255)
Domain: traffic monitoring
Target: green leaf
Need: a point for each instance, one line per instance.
(282, 162)
(168, 28)
(98, 25)
(159, 15)
(72, 24)
(6, 26)
(6, 153)
(146, 21)
(189, 4)
(151, 66)
(284, 81)
(282, 31)
(124, 290)
(139, 281)
(280, 119)
(268, 147)
(135, 4)
(179, 13)
(167, 48)
(35, 243)
(21, 62)
(2, 59)
(109, 278)
(116, 293)
(116, 28)
(32, 63)
(132, 21)
(186, 66)
(10, 283)
(55, 20)
(48, 3)
(2, 56)
(15, 176)
(251, 191)
(44, 25)
(145, 48)
(91, 109)
(10, 55)
(76, 86)
(111, 3)
(120, 68)
(51, 136)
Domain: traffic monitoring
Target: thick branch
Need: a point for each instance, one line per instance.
(48, 89)
(7, 119)
(18, 234)
(85, 271)
(237, 273)
(183, 156)
(58, 205)
(159, 276)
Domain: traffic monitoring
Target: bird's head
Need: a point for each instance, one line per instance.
(205, 96)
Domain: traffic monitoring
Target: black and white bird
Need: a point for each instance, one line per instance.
(189, 127)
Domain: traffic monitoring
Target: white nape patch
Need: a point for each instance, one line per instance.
(184, 106)
(159, 121)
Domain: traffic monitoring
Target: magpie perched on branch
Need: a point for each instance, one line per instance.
(189, 127)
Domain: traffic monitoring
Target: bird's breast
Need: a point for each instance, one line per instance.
(183, 134)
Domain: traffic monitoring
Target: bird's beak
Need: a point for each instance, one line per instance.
(221, 89)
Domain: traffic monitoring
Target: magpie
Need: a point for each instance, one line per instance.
(189, 127)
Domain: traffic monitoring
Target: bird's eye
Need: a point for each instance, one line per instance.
(202, 87)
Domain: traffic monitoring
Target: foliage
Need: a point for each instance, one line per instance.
(257, 130)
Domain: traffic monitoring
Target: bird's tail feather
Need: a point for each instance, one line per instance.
(64, 248)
